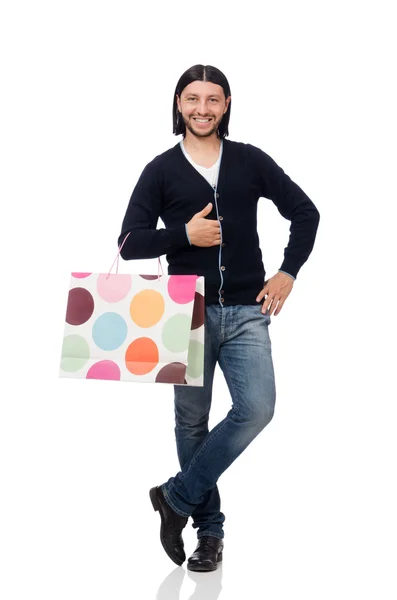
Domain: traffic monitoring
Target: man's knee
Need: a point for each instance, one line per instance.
(257, 417)
(262, 416)
(266, 416)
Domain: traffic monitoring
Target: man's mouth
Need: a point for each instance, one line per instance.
(203, 121)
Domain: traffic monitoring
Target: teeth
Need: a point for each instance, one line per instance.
(202, 120)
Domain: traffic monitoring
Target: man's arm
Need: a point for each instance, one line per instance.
(293, 204)
(141, 217)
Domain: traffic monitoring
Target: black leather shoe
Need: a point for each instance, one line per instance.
(171, 526)
(207, 555)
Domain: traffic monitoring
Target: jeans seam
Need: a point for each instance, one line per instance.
(204, 446)
(174, 508)
(234, 397)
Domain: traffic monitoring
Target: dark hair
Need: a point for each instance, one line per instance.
(201, 73)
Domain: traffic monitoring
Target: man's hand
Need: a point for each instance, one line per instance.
(277, 289)
(204, 232)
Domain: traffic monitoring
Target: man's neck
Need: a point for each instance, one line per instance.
(199, 145)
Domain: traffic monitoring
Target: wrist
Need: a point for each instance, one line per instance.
(285, 273)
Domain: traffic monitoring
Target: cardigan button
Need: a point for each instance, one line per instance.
(223, 268)
(222, 299)
(223, 244)
(217, 195)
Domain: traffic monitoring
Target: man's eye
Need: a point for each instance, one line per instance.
(212, 99)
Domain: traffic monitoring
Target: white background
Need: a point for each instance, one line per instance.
(310, 506)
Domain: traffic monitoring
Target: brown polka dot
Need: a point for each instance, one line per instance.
(172, 373)
(80, 306)
(198, 311)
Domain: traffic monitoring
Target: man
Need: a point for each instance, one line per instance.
(206, 190)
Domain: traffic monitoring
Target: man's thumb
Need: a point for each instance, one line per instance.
(206, 210)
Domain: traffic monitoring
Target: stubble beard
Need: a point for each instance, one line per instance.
(201, 133)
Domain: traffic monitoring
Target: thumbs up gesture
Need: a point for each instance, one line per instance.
(204, 232)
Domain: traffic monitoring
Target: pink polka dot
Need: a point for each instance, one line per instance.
(104, 369)
(182, 288)
(113, 287)
(81, 275)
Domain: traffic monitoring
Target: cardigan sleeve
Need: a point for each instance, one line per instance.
(141, 217)
(292, 203)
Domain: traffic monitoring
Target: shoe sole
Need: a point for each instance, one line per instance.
(157, 507)
(193, 567)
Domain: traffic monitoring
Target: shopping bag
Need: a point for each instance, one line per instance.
(138, 328)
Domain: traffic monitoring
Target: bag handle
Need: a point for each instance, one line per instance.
(117, 258)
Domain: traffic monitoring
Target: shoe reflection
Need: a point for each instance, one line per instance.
(208, 584)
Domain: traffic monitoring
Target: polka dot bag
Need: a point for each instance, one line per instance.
(139, 328)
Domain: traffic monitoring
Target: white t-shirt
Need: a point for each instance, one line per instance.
(210, 173)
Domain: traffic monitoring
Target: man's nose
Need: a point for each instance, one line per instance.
(203, 108)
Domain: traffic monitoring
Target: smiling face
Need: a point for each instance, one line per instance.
(202, 101)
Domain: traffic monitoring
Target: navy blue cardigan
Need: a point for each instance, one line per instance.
(172, 189)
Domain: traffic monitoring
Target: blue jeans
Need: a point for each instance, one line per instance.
(238, 338)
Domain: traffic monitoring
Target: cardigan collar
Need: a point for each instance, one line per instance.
(223, 167)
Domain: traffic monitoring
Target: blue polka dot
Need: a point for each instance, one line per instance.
(109, 331)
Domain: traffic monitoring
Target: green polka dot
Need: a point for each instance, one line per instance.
(75, 353)
(195, 359)
(176, 333)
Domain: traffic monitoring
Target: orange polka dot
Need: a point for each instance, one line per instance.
(142, 356)
(147, 308)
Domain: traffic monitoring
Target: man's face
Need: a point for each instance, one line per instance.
(204, 100)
